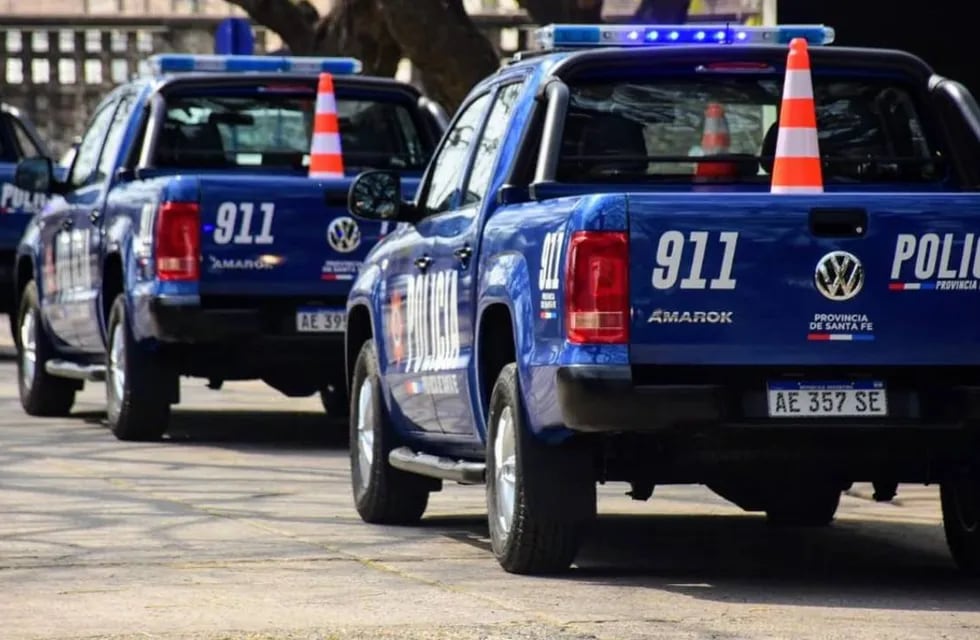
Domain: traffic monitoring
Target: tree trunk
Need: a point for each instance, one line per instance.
(441, 40)
(662, 11)
(352, 28)
(544, 12)
(357, 28)
(290, 20)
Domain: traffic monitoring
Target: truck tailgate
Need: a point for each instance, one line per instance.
(280, 236)
(761, 279)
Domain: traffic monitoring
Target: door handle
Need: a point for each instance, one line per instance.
(463, 253)
(423, 262)
(94, 216)
(68, 223)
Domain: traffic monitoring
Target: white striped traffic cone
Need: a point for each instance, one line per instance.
(796, 168)
(326, 160)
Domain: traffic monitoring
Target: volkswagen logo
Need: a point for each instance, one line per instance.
(343, 234)
(839, 276)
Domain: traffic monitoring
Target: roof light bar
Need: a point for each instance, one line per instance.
(185, 63)
(564, 36)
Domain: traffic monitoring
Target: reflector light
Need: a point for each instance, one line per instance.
(565, 36)
(186, 63)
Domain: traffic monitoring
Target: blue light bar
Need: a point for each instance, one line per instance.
(578, 36)
(186, 63)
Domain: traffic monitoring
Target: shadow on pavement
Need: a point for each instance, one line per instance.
(228, 429)
(864, 564)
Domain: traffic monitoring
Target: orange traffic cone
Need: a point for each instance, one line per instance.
(796, 168)
(715, 140)
(326, 160)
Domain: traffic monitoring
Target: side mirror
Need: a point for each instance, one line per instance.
(377, 196)
(35, 175)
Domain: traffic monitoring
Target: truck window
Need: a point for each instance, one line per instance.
(86, 158)
(490, 139)
(28, 148)
(449, 165)
(117, 129)
(870, 131)
(256, 129)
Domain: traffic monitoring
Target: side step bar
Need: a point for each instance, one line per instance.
(461, 471)
(75, 371)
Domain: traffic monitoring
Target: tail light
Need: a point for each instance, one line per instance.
(178, 241)
(597, 307)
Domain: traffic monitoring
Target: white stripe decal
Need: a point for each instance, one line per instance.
(798, 84)
(844, 337)
(326, 103)
(325, 143)
(791, 190)
(797, 142)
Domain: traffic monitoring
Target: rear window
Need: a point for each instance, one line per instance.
(869, 131)
(274, 130)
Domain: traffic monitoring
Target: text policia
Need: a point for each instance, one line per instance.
(430, 325)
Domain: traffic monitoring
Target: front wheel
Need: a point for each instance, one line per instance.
(382, 494)
(960, 498)
(41, 394)
(539, 496)
(138, 383)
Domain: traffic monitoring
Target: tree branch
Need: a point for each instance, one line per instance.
(548, 11)
(292, 21)
(442, 41)
(662, 11)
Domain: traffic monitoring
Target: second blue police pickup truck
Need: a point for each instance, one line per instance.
(189, 240)
(18, 140)
(597, 283)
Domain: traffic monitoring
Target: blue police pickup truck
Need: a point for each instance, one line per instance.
(189, 240)
(18, 140)
(580, 292)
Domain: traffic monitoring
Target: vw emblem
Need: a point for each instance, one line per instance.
(343, 234)
(839, 276)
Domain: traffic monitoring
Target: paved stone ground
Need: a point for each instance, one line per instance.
(240, 525)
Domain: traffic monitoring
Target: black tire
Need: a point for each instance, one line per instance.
(808, 506)
(553, 497)
(382, 494)
(138, 406)
(960, 498)
(41, 394)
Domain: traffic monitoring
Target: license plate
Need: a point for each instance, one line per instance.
(321, 320)
(827, 399)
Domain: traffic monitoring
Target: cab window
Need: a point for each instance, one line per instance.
(450, 163)
(869, 130)
(83, 170)
(490, 141)
(272, 129)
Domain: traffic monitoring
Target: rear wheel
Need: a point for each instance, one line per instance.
(539, 497)
(960, 498)
(382, 494)
(138, 382)
(41, 394)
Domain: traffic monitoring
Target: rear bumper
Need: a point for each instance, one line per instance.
(601, 399)
(242, 342)
(606, 399)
